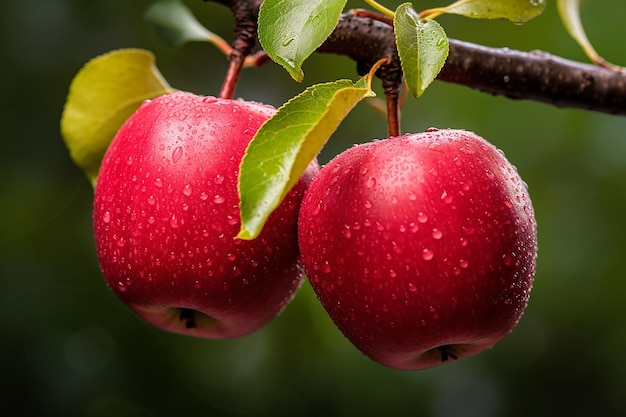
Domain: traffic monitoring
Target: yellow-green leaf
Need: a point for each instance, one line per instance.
(176, 24)
(518, 11)
(569, 10)
(104, 93)
(285, 145)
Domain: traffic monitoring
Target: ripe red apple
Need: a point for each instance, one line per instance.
(421, 247)
(166, 215)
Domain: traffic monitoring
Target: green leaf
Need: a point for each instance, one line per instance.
(285, 145)
(104, 93)
(291, 30)
(175, 23)
(422, 46)
(569, 10)
(518, 11)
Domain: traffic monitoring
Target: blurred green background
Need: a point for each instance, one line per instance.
(68, 347)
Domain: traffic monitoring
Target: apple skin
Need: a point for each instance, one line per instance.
(422, 248)
(166, 213)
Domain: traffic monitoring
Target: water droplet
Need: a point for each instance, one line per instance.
(231, 257)
(394, 199)
(177, 154)
(392, 273)
(107, 217)
(151, 200)
(437, 234)
(187, 190)
(218, 199)
(174, 221)
(121, 286)
(445, 197)
(469, 230)
(367, 204)
(422, 217)
(326, 268)
(412, 287)
(158, 182)
(219, 179)
(432, 129)
(287, 41)
(463, 263)
(204, 196)
(371, 181)
(427, 254)
(412, 196)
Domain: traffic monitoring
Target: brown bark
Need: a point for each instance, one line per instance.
(532, 75)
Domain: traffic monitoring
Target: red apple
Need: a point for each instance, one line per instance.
(421, 247)
(166, 215)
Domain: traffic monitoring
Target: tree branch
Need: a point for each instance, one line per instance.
(535, 75)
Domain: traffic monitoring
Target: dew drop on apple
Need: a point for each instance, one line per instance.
(437, 234)
(371, 182)
(151, 200)
(428, 254)
(158, 182)
(187, 190)
(412, 287)
(463, 263)
(177, 154)
(174, 221)
(422, 217)
(218, 199)
(107, 217)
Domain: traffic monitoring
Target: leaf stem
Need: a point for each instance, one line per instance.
(380, 8)
(391, 97)
(430, 14)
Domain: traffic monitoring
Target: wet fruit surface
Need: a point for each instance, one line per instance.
(166, 216)
(421, 248)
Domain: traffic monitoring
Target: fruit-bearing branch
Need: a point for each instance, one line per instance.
(535, 75)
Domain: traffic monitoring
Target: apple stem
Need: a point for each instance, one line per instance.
(393, 113)
(446, 353)
(232, 76)
(245, 14)
(188, 316)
